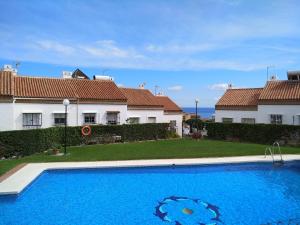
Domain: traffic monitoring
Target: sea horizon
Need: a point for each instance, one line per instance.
(204, 112)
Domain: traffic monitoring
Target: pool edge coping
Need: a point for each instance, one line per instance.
(11, 171)
(19, 179)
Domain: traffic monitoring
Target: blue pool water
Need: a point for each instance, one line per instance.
(250, 194)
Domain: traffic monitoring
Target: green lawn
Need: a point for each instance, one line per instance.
(179, 148)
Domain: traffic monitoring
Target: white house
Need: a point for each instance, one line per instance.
(144, 107)
(276, 103)
(33, 102)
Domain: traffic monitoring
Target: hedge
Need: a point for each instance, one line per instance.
(26, 142)
(254, 133)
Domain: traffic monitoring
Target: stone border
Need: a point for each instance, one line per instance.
(18, 181)
(11, 171)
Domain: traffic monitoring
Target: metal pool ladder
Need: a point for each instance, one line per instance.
(275, 150)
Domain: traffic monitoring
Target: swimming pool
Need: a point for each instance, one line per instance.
(250, 194)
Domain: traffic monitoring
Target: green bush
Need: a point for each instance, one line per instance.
(26, 142)
(6, 151)
(255, 133)
(195, 123)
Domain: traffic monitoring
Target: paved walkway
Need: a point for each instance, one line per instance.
(15, 183)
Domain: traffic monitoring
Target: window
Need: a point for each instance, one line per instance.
(134, 120)
(112, 118)
(59, 119)
(248, 120)
(89, 118)
(227, 120)
(276, 119)
(32, 120)
(151, 119)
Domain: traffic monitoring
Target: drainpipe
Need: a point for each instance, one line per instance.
(77, 113)
(293, 120)
(13, 114)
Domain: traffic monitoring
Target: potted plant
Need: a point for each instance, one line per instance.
(56, 149)
(197, 135)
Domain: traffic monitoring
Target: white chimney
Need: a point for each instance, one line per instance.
(142, 86)
(229, 86)
(67, 74)
(102, 77)
(9, 68)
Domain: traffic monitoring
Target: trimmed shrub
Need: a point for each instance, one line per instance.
(6, 151)
(255, 133)
(27, 142)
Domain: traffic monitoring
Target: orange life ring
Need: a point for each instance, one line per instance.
(86, 131)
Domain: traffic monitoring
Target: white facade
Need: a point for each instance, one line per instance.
(12, 116)
(175, 117)
(147, 116)
(7, 116)
(144, 115)
(290, 114)
(13, 113)
(236, 115)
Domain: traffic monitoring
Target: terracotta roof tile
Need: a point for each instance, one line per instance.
(55, 88)
(29, 87)
(281, 90)
(169, 105)
(6, 83)
(240, 98)
(97, 89)
(140, 98)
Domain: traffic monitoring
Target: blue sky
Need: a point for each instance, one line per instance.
(190, 49)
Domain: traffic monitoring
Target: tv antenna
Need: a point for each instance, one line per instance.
(156, 87)
(268, 68)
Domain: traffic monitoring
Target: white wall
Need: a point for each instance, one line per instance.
(12, 116)
(161, 117)
(75, 113)
(290, 114)
(6, 117)
(178, 118)
(143, 114)
(101, 112)
(237, 115)
(287, 112)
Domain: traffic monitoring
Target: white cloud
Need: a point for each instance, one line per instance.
(55, 46)
(185, 42)
(109, 54)
(219, 87)
(120, 85)
(108, 48)
(281, 48)
(175, 88)
(181, 48)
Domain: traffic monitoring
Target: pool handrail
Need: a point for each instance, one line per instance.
(272, 151)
